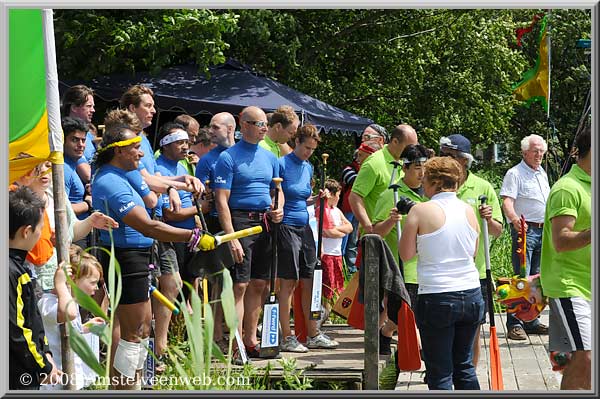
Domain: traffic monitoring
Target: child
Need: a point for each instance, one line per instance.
(56, 306)
(30, 359)
(336, 226)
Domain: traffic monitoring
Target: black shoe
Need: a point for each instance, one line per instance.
(538, 329)
(384, 344)
(254, 352)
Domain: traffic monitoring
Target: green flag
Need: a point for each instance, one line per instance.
(28, 117)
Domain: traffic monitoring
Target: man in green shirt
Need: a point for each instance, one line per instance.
(458, 147)
(384, 223)
(375, 175)
(283, 124)
(566, 266)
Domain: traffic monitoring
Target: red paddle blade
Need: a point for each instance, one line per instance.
(497, 384)
(409, 358)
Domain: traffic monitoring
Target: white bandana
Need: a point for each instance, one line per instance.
(173, 137)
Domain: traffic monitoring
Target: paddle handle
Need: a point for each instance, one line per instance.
(238, 234)
(163, 299)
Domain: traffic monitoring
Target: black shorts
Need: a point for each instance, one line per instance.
(296, 251)
(135, 273)
(257, 249)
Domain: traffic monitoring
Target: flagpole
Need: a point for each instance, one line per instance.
(58, 177)
(548, 46)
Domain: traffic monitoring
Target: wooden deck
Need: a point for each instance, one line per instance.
(525, 364)
(345, 364)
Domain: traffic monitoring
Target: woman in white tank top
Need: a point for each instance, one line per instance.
(443, 233)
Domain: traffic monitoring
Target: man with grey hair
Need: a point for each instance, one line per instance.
(524, 192)
(376, 133)
(458, 147)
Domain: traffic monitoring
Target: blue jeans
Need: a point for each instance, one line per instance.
(349, 243)
(533, 255)
(447, 324)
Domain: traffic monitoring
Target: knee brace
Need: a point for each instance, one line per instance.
(127, 357)
(143, 353)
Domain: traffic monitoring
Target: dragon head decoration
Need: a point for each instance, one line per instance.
(523, 297)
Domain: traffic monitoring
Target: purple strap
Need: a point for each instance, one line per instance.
(194, 240)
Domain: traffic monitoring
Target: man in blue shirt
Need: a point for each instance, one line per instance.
(74, 144)
(174, 145)
(118, 154)
(78, 102)
(243, 181)
(221, 130)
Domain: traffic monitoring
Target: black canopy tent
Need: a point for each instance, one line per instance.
(231, 87)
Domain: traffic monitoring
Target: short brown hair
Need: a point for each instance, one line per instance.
(76, 95)
(186, 121)
(284, 115)
(307, 131)
(133, 95)
(332, 185)
(122, 117)
(444, 172)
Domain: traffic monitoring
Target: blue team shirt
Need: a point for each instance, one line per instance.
(205, 170)
(113, 195)
(296, 175)
(167, 167)
(90, 148)
(148, 158)
(247, 170)
(73, 185)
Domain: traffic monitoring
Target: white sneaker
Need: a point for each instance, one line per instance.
(291, 344)
(321, 341)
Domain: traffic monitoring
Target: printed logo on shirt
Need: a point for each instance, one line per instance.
(471, 201)
(220, 180)
(126, 206)
(144, 186)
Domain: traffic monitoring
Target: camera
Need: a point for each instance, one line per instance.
(404, 204)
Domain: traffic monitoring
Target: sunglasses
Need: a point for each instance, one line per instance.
(257, 123)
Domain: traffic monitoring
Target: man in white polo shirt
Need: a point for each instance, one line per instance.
(524, 192)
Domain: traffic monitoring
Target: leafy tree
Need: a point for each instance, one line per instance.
(96, 42)
(442, 71)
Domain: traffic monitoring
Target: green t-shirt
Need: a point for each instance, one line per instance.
(382, 212)
(270, 145)
(374, 177)
(191, 170)
(469, 192)
(568, 274)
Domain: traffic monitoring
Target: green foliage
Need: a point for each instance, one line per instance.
(441, 70)
(97, 42)
(388, 376)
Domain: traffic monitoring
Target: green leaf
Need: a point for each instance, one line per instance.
(86, 301)
(102, 331)
(228, 302)
(82, 349)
